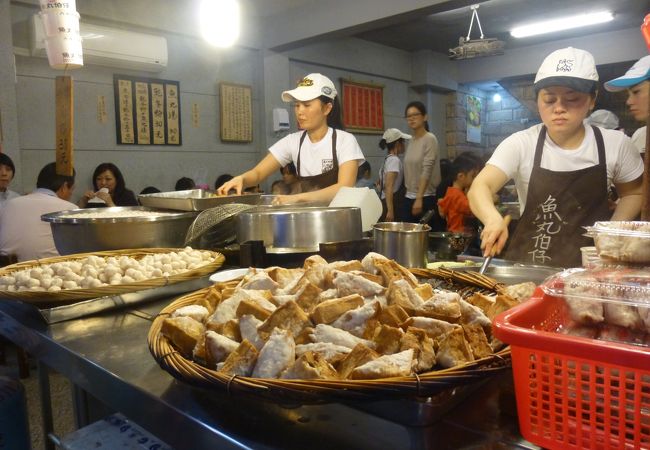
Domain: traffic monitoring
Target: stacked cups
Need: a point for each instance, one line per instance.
(63, 40)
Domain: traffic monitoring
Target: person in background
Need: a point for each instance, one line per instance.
(184, 184)
(454, 206)
(150, 190)
(604, 119)
(257, 189)
(364, 176)
(391, 175)
(326, 157)
(637, 82)
(421, 167)
(7, 172)
(221, 179)
(279, 187)
(109, 187)
(22, 232)
(290, 178)
(445, 167)
(562, 170)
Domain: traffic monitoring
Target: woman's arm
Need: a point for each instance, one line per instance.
(629, 204)
(252, 177)
(347, 177)
(495, 232)
(389, 183)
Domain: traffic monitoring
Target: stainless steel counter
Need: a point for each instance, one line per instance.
(107, 356)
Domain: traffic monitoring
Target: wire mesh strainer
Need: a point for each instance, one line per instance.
(215, 225)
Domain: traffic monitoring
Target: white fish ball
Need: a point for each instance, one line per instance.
(95, 283)
(68, 284)
(53, 289)
(57, 282)
(33, 282)
(167, 268)
(46, 282)
(127, 279)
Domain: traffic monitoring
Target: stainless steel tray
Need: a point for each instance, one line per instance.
(194, 200)
(96, 305)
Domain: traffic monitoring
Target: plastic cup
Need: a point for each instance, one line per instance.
(66, 5)
(64, 52)
(60, 22)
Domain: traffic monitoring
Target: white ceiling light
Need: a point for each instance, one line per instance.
(219, 21)
(566, 23)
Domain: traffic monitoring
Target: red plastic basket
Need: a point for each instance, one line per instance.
(574, 392)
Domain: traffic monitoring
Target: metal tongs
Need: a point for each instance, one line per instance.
(488, 259)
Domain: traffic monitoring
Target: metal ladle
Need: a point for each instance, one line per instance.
(488, 259)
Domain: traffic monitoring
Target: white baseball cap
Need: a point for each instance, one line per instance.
(570, 67)
(393, 134)
(639, 72)
(603, 118)
(310, 87)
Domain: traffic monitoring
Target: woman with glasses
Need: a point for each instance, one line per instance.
(421, 167)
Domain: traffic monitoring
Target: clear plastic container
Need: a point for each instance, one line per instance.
(622, 241)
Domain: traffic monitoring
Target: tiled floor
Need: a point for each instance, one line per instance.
(60, 391)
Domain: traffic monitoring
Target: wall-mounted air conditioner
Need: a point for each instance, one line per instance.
(110, 47)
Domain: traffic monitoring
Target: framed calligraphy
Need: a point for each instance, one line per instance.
(147, 111)
(236, 111)
(363, 107)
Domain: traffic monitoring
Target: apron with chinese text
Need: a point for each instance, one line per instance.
(558, 205)
(325, 179)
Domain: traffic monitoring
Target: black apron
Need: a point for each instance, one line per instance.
(558, 205)
(325, 179)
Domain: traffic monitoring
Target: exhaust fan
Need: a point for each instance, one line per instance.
(468, 48)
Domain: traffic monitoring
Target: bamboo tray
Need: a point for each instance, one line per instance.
(67, 296)
(293, 392)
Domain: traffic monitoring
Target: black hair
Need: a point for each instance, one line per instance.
(120, 186)
(389, 145)
(221, 179)
(420, 107)
(363, 168)
(184, 184)
(5, 160)
(284, 187)
(150, 190)
(463, 163)
(49, 179)
(334, 118)
(291, 167)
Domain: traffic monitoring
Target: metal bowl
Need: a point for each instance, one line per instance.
(446, 246)
(84, 234)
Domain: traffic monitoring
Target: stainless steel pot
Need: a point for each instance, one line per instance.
(298, 229)
(83, 234)
(404, 242)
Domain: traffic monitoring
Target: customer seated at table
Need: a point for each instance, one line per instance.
(22, 232)
(221, 179)
(184, 184)
(7, 172)
(150, 190)
(109, 189)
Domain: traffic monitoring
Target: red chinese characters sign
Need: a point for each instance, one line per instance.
(363, 107)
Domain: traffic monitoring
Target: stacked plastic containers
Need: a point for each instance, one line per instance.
(62, 38)
(581, 347)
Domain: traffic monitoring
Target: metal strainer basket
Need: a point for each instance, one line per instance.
(215, 227)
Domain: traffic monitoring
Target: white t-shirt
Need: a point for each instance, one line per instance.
(316, 158)
(638, 139)
(391, 164)
(515, 157)
(22, 232)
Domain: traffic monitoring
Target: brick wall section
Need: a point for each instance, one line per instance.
(456, 125)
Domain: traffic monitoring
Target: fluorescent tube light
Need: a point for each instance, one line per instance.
(566, 23)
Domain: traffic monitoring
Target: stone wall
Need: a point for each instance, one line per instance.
(456, 121)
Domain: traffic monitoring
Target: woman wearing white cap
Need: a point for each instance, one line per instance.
(391, 175)
(637, 82)
(325, 156)
(561, 170)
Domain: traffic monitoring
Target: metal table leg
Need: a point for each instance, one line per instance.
(46, 405)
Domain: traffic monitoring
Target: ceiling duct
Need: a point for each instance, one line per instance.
(468, 48)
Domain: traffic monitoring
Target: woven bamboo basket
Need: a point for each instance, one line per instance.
(323, 391)
(67, 296)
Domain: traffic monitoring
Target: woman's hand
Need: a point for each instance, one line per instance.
(287, 199)
(494, 236)
(390, 216)
(237, 183)
(416, 210)
(105, 196)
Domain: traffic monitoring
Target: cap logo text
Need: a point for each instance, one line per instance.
(305, 82)
(565, 65)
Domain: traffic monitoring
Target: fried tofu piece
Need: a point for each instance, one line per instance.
(229, 329)
(477, 340)
(330, 310)
(434, 328)
(314, 260)
(287, 317)
(482, 301)
(331, 352)
(242, 361)
(502, 303)
(443, 306)
(472, 314)
(391, 271)
(401, 293)
(356, 320)
(203, 301)
(359, 355)
(387, 366)
(258, 280)
(348, 283)
(392, 315)
(328, 333)
(284, 276)
(196, 312)
(305, 336)
(424, 290)
(310, 366)
(213, 296)
(249, 307)
(387, 340)
(278, 353)
(184, 332)
(370, 262)
(217, 348)
(370, 277)
(453, 349)
(307, 297)
(248, 325)
(198, 354)
(227, 309)
(422, 346)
